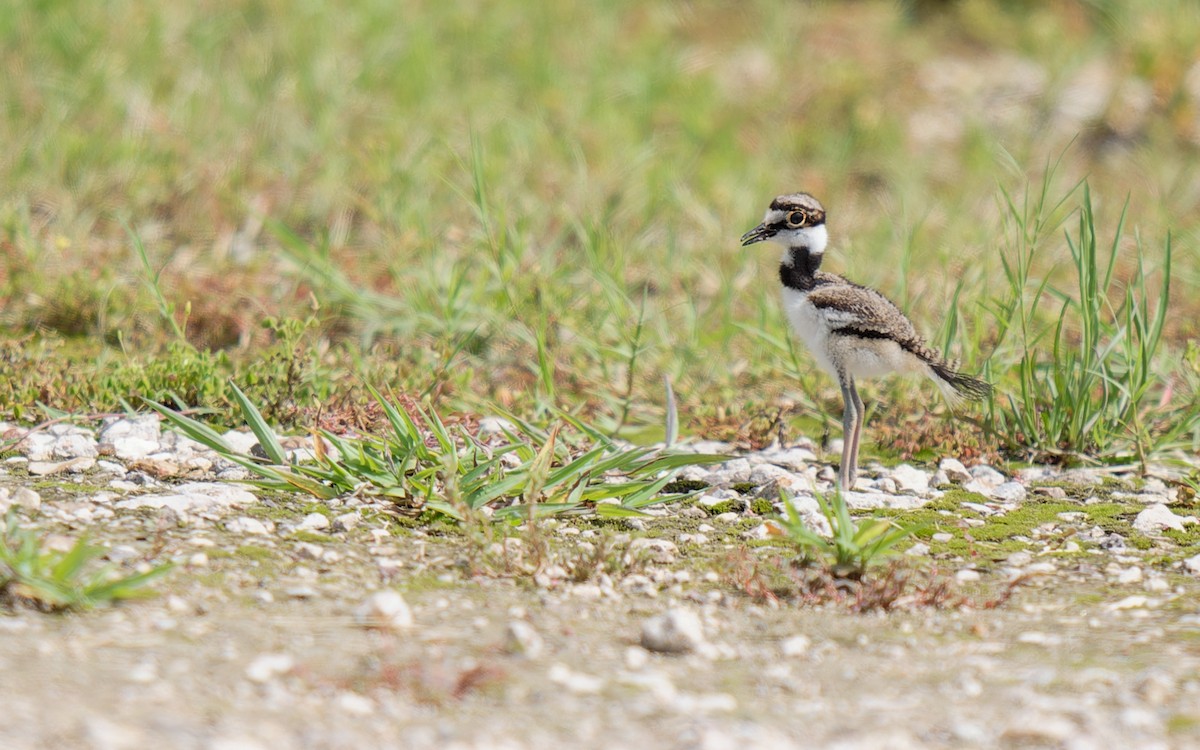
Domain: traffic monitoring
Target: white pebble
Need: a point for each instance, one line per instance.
(1009, 492)
(522, 639)
(314, 522)
(385, 610)
(676, 631)
(266, 666)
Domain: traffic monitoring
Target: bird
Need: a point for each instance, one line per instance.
(852, 331)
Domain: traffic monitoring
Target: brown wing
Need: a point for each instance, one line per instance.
(854, 310)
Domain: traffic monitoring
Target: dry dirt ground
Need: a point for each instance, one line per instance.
(259, 641)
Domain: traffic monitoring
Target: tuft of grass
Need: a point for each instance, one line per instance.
(853, 546)
(1087, 385)
(422, 464)
(56, 581)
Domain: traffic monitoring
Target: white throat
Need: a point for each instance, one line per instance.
(814, 238)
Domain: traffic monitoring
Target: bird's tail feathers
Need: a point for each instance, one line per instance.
(958, 386)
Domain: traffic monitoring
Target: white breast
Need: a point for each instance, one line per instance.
(859, 357)
(810, 325)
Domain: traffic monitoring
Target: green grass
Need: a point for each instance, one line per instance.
(854, 545)
(57, 580)
(423, 465)
(534, 209)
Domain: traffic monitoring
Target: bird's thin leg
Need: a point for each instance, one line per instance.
(861, 413)
(850, 419)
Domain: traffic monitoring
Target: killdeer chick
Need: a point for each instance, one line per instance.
(852, 331)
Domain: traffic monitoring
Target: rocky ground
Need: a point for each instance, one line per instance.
(292, 623)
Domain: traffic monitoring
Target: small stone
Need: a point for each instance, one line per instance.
(355, 704)
(198, 560)
(764, 530)
(121, 553)
(22, 497)
(384, 610)
(910, 480)
(144, 672)
(49, 468)
(1158, 517)
(130, 438)
(587, 591)
(636, 658)
(793, 459)
(308, 551)
(797, 645)
(764, 473)
(1157, 584)
(346, 521)
(1132, 574)
(111, 467)
(1039, 639)
(942, 536)
(1113, 542)
(728, 518)
(737, 470)
(661, 551)
(521, 639)
(872, 500)
(1136, 601)
(967, 576)
(1192, 564)
(194, 497)
(37, 446)
(247, 525)
(1057, 493)
(987, 476)
(676, 631)
(1009, 492)
(267, 666)
(1157, 688)
(575, 682)
(1020, 559)
(241, 442)
(75, 445)
(1040, 731)
(314, 522)
(955, 471)
(918, 549)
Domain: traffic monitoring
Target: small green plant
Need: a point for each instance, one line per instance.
(1088, 384)
(56, 581)
(853, 546)
(424, 465)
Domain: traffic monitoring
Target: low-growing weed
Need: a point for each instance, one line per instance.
(54, 580)
(853, 546)
(422, 464)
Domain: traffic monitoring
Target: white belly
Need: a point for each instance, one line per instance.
(860, 358)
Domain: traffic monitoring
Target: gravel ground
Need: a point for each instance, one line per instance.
(292, 624)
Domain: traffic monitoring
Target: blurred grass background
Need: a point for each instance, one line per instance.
(523, 205)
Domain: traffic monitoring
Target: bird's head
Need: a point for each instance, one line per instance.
(793, 220)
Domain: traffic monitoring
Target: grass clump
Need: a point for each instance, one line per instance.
(423, 465)
(853, 545)
(56, 581)
(1087, 385)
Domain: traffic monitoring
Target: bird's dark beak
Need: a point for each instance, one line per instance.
(757, 234)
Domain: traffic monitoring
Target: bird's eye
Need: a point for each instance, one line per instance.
(796, 218)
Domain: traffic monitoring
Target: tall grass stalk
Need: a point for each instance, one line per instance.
(1085, 373)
